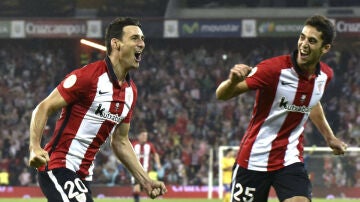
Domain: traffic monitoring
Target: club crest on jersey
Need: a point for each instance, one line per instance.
(303, 98)
(293, 108)
(107, 115)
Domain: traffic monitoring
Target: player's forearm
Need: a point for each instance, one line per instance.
(125, 153)
(317, 116)
(37, 124)
(226, 90)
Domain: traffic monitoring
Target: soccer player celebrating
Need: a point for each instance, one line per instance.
(288, 92)
(145, 151)
(97, 102)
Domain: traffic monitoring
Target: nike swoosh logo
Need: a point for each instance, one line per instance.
(102, 92)
(285, 83)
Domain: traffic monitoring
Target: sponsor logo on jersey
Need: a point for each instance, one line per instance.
(293, 108)
(107, 115)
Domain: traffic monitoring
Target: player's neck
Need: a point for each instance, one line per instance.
(308, 70)
(118, 68)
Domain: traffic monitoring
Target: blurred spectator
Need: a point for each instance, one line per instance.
(328, 178)
(110, 170)
(350, 168)
(25, 177)
(340, 175)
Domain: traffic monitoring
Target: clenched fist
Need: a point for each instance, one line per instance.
(155, 189)
(38, 157)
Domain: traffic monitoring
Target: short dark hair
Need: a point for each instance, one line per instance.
(323, 25)
(115, 30)
(142, 130)
(228, 151)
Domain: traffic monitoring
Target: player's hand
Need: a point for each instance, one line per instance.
(155, 189)
(338, 146)
(239, 72)
(38, 157)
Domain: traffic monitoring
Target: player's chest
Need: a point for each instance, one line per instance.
(110, 103)
(298, 91)
(114, 100)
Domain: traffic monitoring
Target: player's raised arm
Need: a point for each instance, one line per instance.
(235, 83)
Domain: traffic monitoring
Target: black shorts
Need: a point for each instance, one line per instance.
(64, 185)
(288, 182)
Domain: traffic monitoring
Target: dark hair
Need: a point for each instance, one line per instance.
(142, 130)
(228, 151)
(323, 25)
(115, 30)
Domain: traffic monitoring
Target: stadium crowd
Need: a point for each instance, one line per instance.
(176, 104)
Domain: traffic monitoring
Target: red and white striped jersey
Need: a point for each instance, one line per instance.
(96, 104)
(144, 152)
(284, 98)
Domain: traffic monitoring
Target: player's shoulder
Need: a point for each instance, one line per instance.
(150, 143)
(326, 69)
(90, 71)
(281, 61)
(275, 64)
(91, 68)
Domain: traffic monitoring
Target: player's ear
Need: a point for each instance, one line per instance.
(115, 44)
(326, 48)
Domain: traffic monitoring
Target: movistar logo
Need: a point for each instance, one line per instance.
(107, 115)
(189, 29)
(293, 108)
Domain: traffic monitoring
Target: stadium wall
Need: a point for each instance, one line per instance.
(61, 28)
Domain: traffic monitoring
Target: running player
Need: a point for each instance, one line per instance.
(97, 102)
(288, 92)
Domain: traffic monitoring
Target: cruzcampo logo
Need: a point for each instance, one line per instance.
(191, 28)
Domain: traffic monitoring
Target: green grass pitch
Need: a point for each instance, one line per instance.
(164, 200)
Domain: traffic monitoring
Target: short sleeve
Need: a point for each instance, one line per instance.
(73, 87)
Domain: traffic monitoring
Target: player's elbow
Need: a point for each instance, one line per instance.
(43, 108)
(114, 144)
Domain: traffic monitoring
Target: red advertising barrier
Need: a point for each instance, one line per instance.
(116, 191)
(173, 192)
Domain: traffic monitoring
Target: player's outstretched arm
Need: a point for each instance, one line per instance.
(124, 151)
(317, 116)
